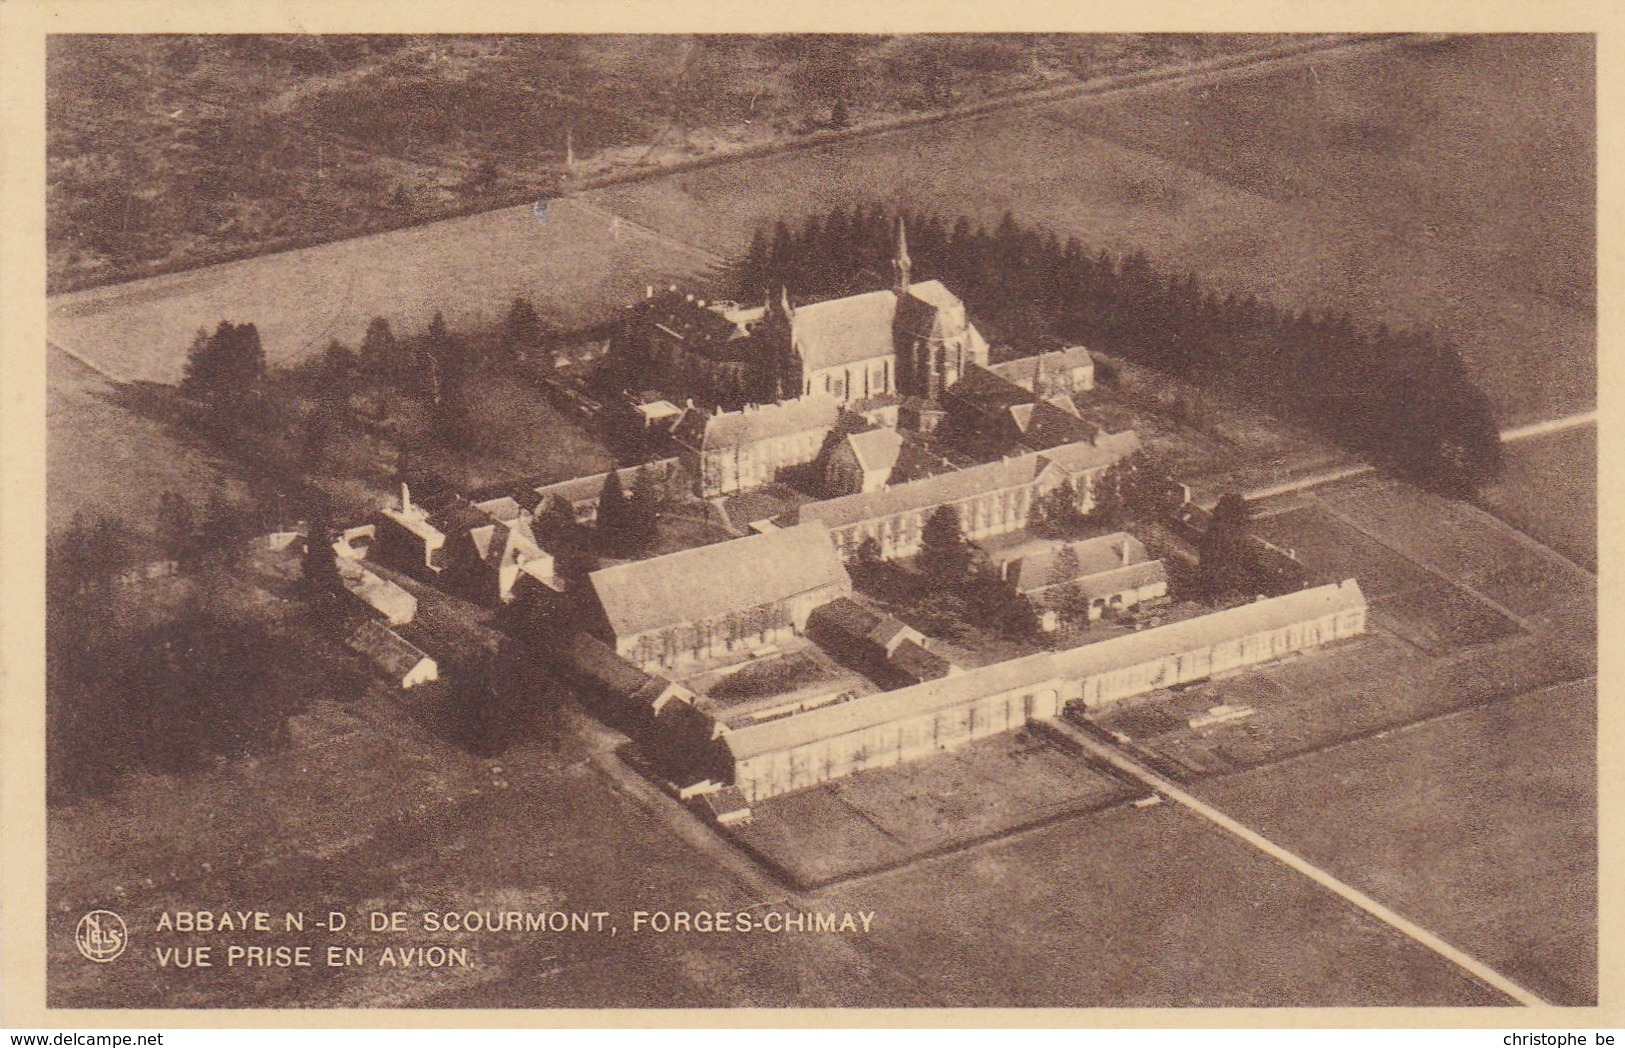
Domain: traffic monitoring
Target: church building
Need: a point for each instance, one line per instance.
(909, 342)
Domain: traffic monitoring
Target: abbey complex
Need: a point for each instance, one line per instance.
(832, 441)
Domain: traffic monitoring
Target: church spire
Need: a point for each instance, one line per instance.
(901, 264)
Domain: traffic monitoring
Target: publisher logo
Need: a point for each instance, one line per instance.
(101, 936)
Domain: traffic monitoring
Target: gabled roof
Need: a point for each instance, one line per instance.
(1066, 403)
(416, 520)
(597, 662)
(1106, 584)
(504, 509)
(1032, 564)
(587, 489)
(395, 654)
(1104, 450)
(866, 711)
(382, 595)
(732, 429)
(726, 804)
(861, 327)
(461, 518)
(926, 493)
(1021, 369)
(876, 449)
(1047, 426)
(714, 580)
(1260, 616)
(844, 330)
(887, 630)
(686, 319)
(506, 543)
(1130, 649)
(935, 294)
(919, 663)
(988, 390)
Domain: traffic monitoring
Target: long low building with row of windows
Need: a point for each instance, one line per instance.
(995, 498)
(892, 727)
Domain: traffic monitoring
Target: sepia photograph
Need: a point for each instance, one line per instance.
(928, 520)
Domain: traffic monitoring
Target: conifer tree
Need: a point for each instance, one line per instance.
(613, 516)
(945, 556)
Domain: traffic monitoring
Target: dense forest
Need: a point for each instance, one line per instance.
(1401, 398)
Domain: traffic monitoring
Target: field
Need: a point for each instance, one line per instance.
(1125, 908)
(1410, 180)
(1464, 611)
(103, 459)
(1407, 176)
(1115, 910)
(1489, 839)
(885, 817)
(1474, 550)
(1436, 616)
(1550, 492)
(1138, 908)
(1333, 551)
(575, 264)
(173, 151)
(1395, 167)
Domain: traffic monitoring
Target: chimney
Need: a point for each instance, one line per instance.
(406, 498)
(648, 291)
(1125, 551)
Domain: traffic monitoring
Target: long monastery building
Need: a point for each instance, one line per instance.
(892, 727)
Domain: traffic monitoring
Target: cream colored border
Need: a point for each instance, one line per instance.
(23, 26)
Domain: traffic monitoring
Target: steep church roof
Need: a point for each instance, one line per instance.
(861, 327)
(844, 330)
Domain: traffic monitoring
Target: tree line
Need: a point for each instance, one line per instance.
(131, 689)
(226, 377)
(1400, 397)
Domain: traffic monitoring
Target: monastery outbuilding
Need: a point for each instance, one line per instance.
(891, 727)
(728, 598)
